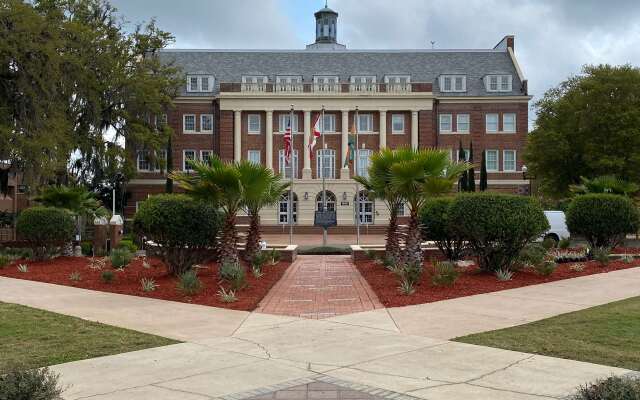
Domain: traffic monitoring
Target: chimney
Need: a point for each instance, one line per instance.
(506, 42)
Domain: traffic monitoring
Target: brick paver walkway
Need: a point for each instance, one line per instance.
(320, 287)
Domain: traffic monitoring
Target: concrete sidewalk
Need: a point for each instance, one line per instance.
(399, 353)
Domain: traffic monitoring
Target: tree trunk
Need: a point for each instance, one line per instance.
(413, 250)
(253, 237)
(392, 248)
(229, 240)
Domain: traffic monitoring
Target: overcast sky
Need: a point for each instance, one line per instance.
(553, 38)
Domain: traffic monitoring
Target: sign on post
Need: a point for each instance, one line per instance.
(325, 219)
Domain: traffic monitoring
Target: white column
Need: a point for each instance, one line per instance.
(414, 129)
(344, 172)
(383, 129)
(237, 135)
(306, 170)
(269, 140)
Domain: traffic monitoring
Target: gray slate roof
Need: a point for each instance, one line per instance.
(421, 65)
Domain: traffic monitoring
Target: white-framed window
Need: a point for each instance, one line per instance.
(205, 155)
(509, 122)
(397, 123)
(188, 155)
(364, 160)
(326, 164)
(285, 169)
(254, 156)
(453, 83)
(462, 122)
(498, 83)
(491, 160)
(365, 122)
(142, 160)
(445, 123)
(326, 83)
(330, 201)
(363, 83)
(189, 123)
(161, 160)
(283, 121)
(284, 210)
(206, 123)
(509, 160)
(365, 205)
(199, 83)
(491, 123)
(329, 123)
(253, 124)
(459, 154)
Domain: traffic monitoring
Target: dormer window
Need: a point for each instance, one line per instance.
(398, 83)
(363, 83)
(199, 83)
(326, 83)
(453, 83)
(498, 83)
(254, 83)
(289, 83)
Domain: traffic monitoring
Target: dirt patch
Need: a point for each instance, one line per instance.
(127, 281)
(471, 281)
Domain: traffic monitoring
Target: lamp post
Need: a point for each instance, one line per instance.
(526, 177)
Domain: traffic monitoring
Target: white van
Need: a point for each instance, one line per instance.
(558, 225)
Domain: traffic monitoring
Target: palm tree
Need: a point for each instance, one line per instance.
(378, 184)
(262, 188)
(420, 174)
(76, 199)
(220, 184)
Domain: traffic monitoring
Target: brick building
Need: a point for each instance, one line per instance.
(236, 103)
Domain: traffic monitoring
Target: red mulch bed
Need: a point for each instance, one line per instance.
(471, 281)
(128, 281)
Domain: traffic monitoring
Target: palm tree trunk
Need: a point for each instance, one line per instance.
(253, 237)
(413, 250)
(229, 240)
(392, 248)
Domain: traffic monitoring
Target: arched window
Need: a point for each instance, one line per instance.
(331, 201)
(365, 206)
(283, 208)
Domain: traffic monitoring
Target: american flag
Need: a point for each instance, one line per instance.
(287, 143)
(316, 135)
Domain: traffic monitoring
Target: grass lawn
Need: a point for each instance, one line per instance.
(34, 338)
(607, 334)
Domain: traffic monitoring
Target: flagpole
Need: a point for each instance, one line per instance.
(357, 155)
(324, 190)
(292, 172)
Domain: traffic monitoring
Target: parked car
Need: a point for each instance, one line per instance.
(558, 224)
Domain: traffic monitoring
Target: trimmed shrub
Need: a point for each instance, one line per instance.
(435, 225)
(564, 243)
(37, 384)
(531, 255)
(612, 388)
(183, 228)
(497, 226)
(235, 274)
(129, 245)
(120, 257)
(45, 229)
(107, 276)
(549, 243)
(546, 267)
(602, 219)
(444, 274)
(87, 248)
(189, 283)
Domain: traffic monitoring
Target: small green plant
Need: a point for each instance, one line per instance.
(371, 254)
(531, 255)
(564, 243)
(601, 255)
(546, 267)
(577, 267)
(75, 276)
(148, 284)
(257, 262)
(24, 268)
(549, 243)
(274, 256)
(234, 274)
(120, 258)
(87, 248)
(107, 276)
(627, 259)
(408, 275)
(612, 388)
(189, 283)
(129, 245)
(227, 296)
(444, 273)
(39, 383)
(504, 275)
(257, 272)
(4, 260)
